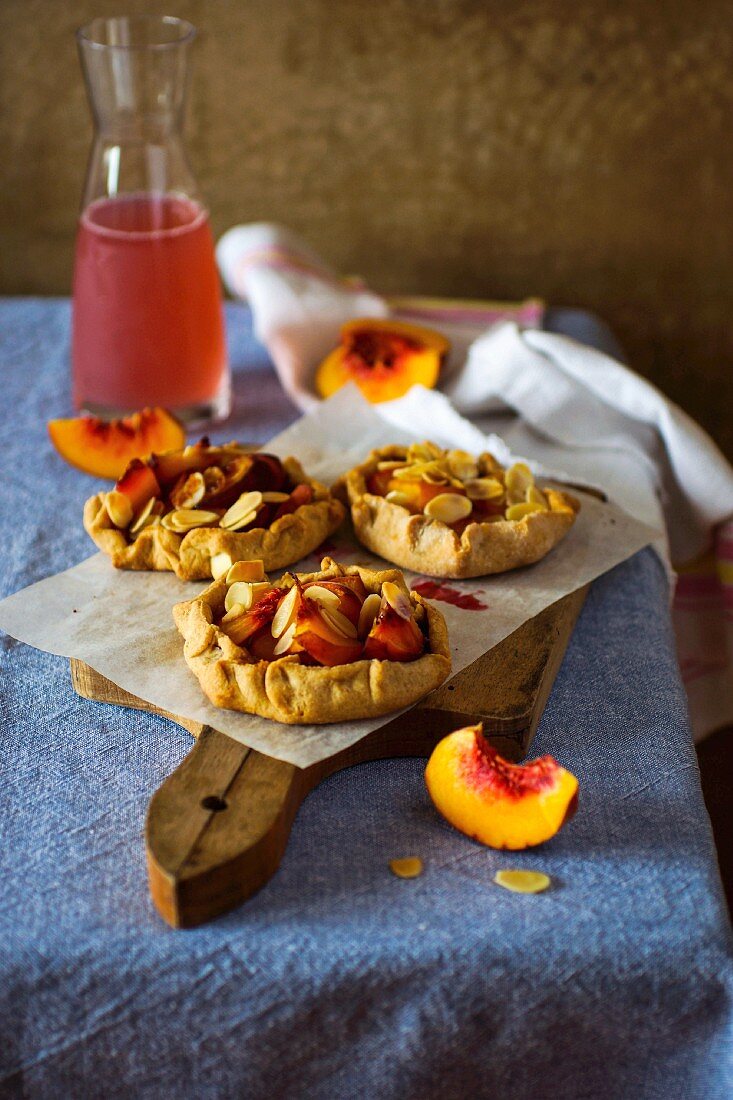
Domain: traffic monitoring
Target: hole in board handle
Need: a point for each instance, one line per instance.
(214, 803)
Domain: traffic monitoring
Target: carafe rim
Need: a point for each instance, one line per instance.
(87, 36)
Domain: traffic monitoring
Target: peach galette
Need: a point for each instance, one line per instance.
(450, 514)
(197, 510)
(343, 643)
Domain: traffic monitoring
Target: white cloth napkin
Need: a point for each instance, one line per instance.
(586, 401)
(298, 305)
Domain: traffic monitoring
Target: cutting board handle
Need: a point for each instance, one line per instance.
(217, 828)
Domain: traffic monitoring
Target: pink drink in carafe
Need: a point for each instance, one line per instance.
(148, 327)
(148, 322)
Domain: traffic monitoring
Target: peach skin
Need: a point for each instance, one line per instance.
(384, 358)
(105, 448)
(500, 804)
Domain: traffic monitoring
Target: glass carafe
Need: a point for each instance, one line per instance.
(147, 313)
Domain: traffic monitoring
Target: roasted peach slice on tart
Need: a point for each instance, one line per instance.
(198, 510)
(448, 513)
(343, 643)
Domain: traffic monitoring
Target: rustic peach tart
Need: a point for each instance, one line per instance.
(196, 511)
(450, 514)
(345, 642)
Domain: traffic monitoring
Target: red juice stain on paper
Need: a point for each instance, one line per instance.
(434, 590)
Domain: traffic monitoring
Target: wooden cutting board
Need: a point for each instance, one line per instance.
(217, 828)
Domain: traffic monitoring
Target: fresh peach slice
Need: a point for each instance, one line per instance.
(394, 638)
(105, 448)
(383, 357)
(138, 484)
(498, 803)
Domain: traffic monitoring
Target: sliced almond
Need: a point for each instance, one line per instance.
(151, 521)
(143, 516)
(213, 479)
(519, 511)
(424, 452)
(484, 488)
(435, 476)
(233, 612)
(246, 593)
(186, 519)
(448, 507)
(406, 867)
(220, 565)
(275, 498)
(536, 496)
(397, 599)
(394, 496)
(243, 522)
(286, 612)
(324, 597)
(259, 588)
(241, 512)
(285, 640)
(523, 882)
(518, 478)
(252, 571)
(118, 508)
(367, 615)
(190, 492)
(411, 472)
(338, 622)
(422, 471)
(462, 465)
(489, 467)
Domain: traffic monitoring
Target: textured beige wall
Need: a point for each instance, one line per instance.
(578, 149)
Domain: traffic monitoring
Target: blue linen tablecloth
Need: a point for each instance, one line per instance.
(339, 980)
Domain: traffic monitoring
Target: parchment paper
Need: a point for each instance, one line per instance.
(120, 622)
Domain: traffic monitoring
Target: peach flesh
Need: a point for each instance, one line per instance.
(498, 803)
(393, 638)
(138, 484)
(349, 602)
(105, 448)
(321, 641)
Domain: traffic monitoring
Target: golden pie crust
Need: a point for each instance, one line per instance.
(189, 555)
(429, 546)
(287, 691)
